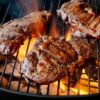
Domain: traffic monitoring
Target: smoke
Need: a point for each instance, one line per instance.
(28, 6)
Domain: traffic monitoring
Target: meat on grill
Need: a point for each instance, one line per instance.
(14, 32)
(81, 17)
(50, 59)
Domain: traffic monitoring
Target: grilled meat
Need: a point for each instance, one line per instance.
(51, 59)
(82, 47)
(81, 17)
(14, 32)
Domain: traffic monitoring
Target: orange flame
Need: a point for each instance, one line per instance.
(68, 34)
(81, 88)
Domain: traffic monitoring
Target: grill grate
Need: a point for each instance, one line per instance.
(59, 81)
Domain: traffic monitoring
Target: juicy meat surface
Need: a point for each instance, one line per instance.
(81, 16)
(49, 60)
(14, 32)
(82, 47)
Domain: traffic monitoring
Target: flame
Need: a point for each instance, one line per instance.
(68, 34)
(81, 88)
(54, 30)
(23, 48)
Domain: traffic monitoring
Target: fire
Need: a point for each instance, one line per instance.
(81, 88)
(23, 48)
(68, 34)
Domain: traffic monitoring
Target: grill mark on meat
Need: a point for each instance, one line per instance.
(83, 48)
(49, 65)
(56, 68)
(94, 23)
(82, 17)
(65, 48)
(89, 21)
(85, 17)
(53, 51)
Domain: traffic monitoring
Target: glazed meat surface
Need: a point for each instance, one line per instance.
(50, 59)
(14, 32)
(81, 17)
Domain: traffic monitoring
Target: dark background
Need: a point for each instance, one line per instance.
(19, 8)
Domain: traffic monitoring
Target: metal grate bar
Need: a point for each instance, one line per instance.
(59, 1)
(12, 14)
(44, 6)
(88, 1)
(50, 10)
(48, 88)
(58, 88)
(98, 51)
(3, 72)
(88, 80)
(89, 74)
(21, 74)
(98, 59)
(11, 76)
(51, 6)
(8, 7)
(68, 86)
(77, 79)
(28, 87)
(20, 79)
(38, 89)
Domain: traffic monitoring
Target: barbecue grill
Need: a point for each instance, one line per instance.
(51, 6)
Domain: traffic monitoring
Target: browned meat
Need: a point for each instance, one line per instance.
(51, 59)
(84, 51)
(82, 18)
(82, 47)
(14, 32)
